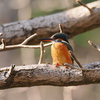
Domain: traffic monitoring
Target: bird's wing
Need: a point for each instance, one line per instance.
(68, 45)
(69, 48)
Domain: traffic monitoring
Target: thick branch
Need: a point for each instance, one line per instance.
(44, 74)
(74, 21)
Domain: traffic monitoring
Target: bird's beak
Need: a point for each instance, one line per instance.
(46, 39)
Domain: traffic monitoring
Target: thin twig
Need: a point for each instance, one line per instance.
(28, 39)
(94, 45)
(79, 2)
(60, 28)
(22, 45)
(42, 52)
(3, 44)
(71, 66)
(79, 64)
(35, 46)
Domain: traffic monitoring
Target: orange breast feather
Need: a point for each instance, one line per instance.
(60, 54)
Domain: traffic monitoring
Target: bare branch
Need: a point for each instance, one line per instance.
(3, 47)
(35, 46)
(22, 45)
(79, 2)
(75, 21)
(28, 39)
(60, 28)
(71, 66)
(42, 52)
(46, 74)
(94, 45)
(73, 56)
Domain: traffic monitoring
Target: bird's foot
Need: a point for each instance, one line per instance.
(56, 65)
(66, 66)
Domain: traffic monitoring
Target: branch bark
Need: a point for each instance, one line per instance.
(74, 21)
(46, 74)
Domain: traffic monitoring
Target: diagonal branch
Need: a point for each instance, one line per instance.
(46, 74)
(94, 45)
(78, 1)
(74, 21)
(28, 39)
(74, 57)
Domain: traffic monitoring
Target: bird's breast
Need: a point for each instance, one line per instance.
(60, 54)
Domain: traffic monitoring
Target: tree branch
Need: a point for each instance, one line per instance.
(76, 60)
(41, 52)
(74, 21)
(79, 2)
(94, 45)
(3, 47)
(46, 74)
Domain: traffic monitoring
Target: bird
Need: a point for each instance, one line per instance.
(60, 49)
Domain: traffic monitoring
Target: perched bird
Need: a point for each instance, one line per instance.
(60, 49)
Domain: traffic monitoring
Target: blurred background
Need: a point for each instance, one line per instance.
(15, 10)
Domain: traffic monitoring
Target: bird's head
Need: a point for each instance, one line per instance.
(56, 37)
(60, 36)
